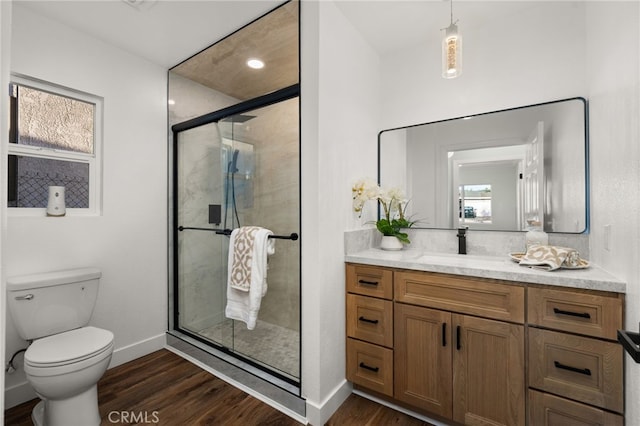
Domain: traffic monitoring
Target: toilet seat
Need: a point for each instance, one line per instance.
(70, 347)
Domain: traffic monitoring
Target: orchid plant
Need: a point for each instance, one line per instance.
(393, 203)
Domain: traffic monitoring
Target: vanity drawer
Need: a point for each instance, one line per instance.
(580, 368)
(468, 295)
(550, 410)
(595, 314)
(370, 366)
(370, 281)
(370, 319)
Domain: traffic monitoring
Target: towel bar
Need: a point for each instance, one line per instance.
(292, 237)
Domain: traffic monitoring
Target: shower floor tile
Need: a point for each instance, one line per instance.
(275, 346)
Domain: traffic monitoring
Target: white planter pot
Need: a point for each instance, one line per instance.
(390, 243)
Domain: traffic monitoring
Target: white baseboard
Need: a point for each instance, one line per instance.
(425, 419)
(17, 394)
(23, 392)
(318, 414)
(138, 349)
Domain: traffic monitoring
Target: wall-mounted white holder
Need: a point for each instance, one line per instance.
(56, 204)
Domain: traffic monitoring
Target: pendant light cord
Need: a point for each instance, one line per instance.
(452, 14)
(452, 11)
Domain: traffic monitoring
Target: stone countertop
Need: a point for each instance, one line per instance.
(501, 268)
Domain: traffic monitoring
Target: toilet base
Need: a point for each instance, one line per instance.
(80, 410)
(37, 415)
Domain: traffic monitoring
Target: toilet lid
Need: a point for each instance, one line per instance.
(68, 347)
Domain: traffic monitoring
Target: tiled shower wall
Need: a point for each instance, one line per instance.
(275, 205)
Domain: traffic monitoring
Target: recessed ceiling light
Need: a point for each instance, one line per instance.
(255, 64)
(171, 102)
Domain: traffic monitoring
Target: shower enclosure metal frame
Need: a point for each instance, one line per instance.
(214, 117)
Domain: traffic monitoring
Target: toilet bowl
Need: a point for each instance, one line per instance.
(64, 370)
(66, 357)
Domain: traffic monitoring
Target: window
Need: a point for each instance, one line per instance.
(55, 140)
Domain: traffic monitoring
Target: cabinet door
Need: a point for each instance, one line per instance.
(422, 358)
(488, 365)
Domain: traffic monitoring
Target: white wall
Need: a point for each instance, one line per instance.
(613, 37)
(5, 59)
(128, 242)
(506, 63)
(340, 116)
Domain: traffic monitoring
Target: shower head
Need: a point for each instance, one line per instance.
(240, 118)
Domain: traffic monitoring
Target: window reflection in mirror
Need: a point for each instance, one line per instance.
(475, 204)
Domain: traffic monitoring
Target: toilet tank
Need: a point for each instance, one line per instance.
(52, 302)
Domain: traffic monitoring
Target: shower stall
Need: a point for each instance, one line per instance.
(239, 166)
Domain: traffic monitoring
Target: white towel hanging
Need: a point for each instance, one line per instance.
(249, 248)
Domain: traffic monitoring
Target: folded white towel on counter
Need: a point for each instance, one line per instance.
(249, 247)
(550, 257)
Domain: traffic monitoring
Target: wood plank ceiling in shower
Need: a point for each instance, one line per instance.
(272, 39)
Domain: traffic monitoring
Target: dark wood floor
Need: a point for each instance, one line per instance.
(164, 389)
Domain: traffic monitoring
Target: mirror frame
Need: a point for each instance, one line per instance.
(587, 201)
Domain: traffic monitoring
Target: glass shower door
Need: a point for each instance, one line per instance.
(200, 253)
(242, 170)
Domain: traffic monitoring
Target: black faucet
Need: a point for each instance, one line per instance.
(462, 240)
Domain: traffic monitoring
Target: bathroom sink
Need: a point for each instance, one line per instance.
(436, 255)
(457, 259)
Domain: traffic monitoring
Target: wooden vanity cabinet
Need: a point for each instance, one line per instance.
(454, 347)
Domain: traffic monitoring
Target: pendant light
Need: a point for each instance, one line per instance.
(451, 50)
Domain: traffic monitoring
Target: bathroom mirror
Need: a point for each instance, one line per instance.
(506, 170)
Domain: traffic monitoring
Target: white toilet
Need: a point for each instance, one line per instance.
(66, 358)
